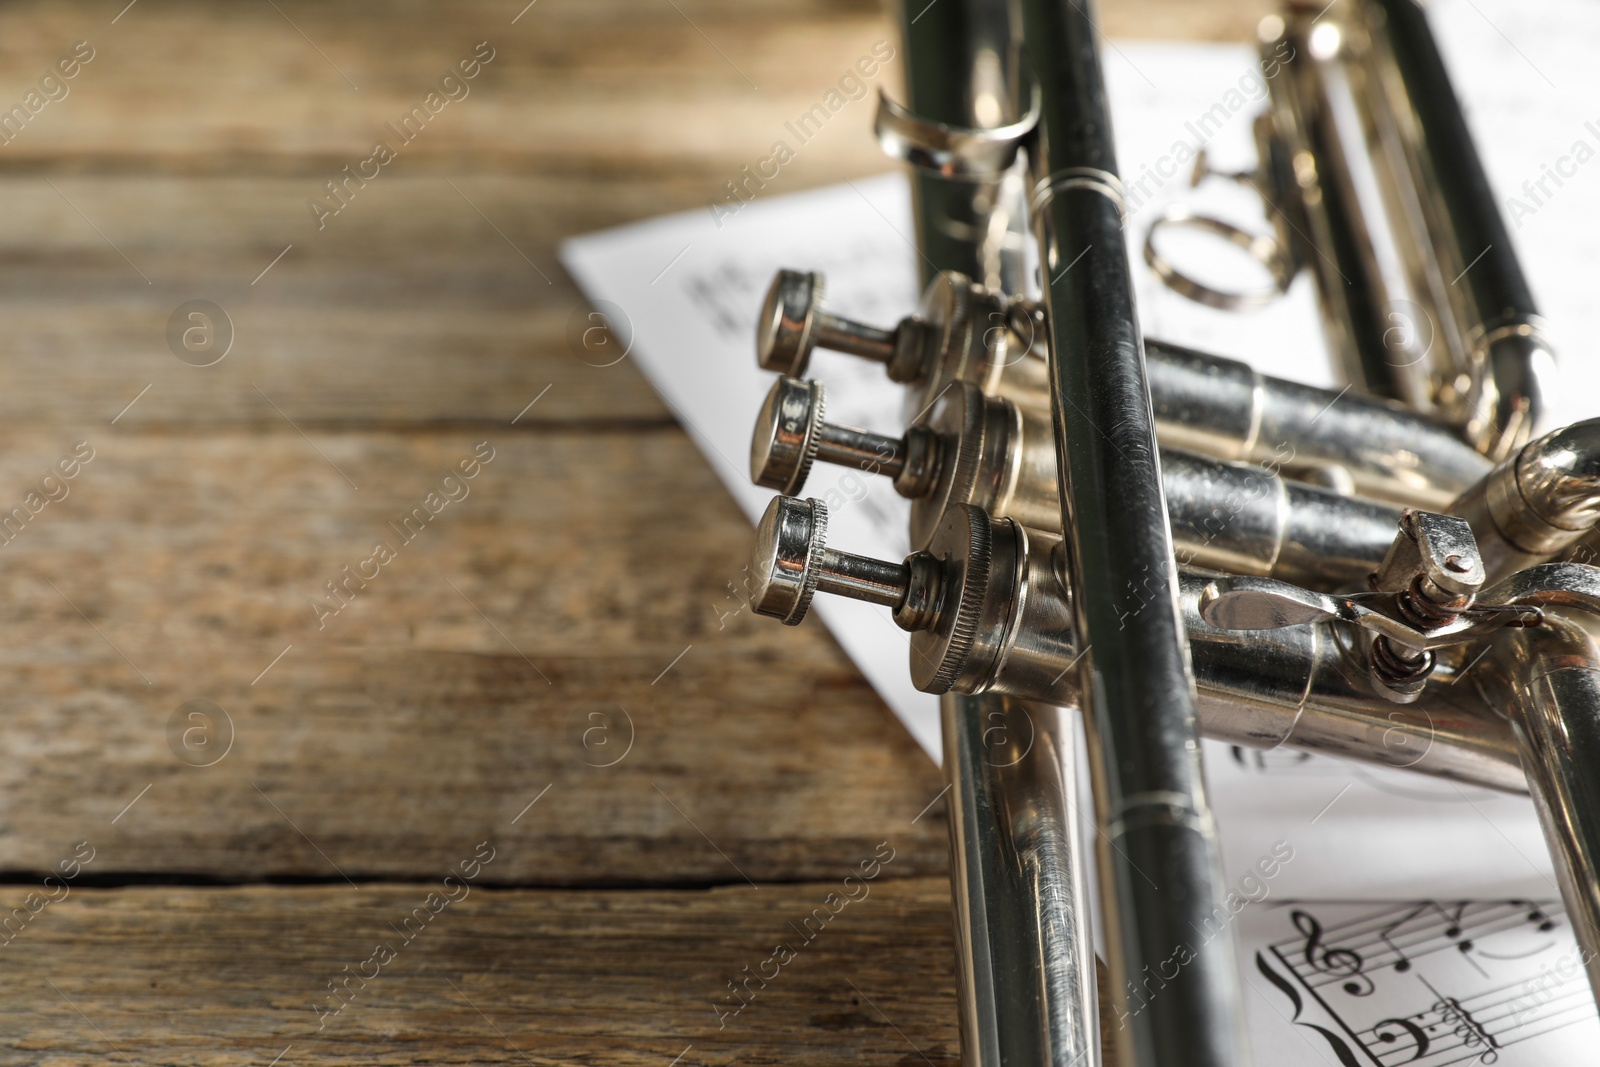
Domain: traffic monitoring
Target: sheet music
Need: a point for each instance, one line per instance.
(690, 292)
(1430, 983)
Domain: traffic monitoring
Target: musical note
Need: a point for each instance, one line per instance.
(1340, 1048)
(1433, 984)
(1340, 962)
(1402, 962)
(1537, 916)
(1453, 931)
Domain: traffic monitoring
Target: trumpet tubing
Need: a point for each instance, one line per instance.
(1161, 543)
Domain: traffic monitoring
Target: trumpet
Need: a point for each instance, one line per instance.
(1165, 544)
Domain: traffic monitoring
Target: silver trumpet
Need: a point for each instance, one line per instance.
(1157, 544)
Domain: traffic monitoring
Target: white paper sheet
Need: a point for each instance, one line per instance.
(690, 291)
(694, 336)
(1426, 983)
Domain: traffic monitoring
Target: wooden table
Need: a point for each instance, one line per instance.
(542, 668)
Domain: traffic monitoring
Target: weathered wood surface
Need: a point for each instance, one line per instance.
(232, 975)
(615, 86)
(460, 685)
(408, 722)
(410, 328)
(409, 311)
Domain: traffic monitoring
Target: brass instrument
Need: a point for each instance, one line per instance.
(1173, 545)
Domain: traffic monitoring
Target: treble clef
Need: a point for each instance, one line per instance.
(1337, 962)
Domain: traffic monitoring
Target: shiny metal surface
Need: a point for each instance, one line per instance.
(791, 434)
(793, 322)
(1538, 503)
(1225, 408)
(1371, 181)
(1305, 688)
(1024, 935)
(946, 150)
(1325, 570)
(958, 74)
(1458, 241)
(1263, 248)
(1337, 234)
(1160, 864)
(974, 449)
(1546, 682)
(790, 541)
(961, 334)
(1025, 962)
(1249, 520)
(988, 612)
(793, 562)
(1203, 403)
(787, 437)
(1527, 719)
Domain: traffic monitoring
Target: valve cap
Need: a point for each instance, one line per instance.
(788, 316)
(785, 441)
(790, 541)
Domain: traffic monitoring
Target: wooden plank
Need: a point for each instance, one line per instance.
(573, 84)
(230, 976)
(413, 309)
(455, 699)
(193, 551)
(419, 714)
(614, 86)
(420, 302)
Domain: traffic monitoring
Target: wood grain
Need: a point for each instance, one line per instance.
(411, 310)
(457, 697)
(600, 86)
(230, 976)
(545, 607)
(573, 84)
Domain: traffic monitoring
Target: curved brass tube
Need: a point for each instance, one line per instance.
(1538, 503)
(1300, 687)
(989, 611)
(1546, 682)
(1471, 353)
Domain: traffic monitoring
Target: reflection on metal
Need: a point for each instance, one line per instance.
(1024, 938)
(1154, 544)
(1371, 182)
